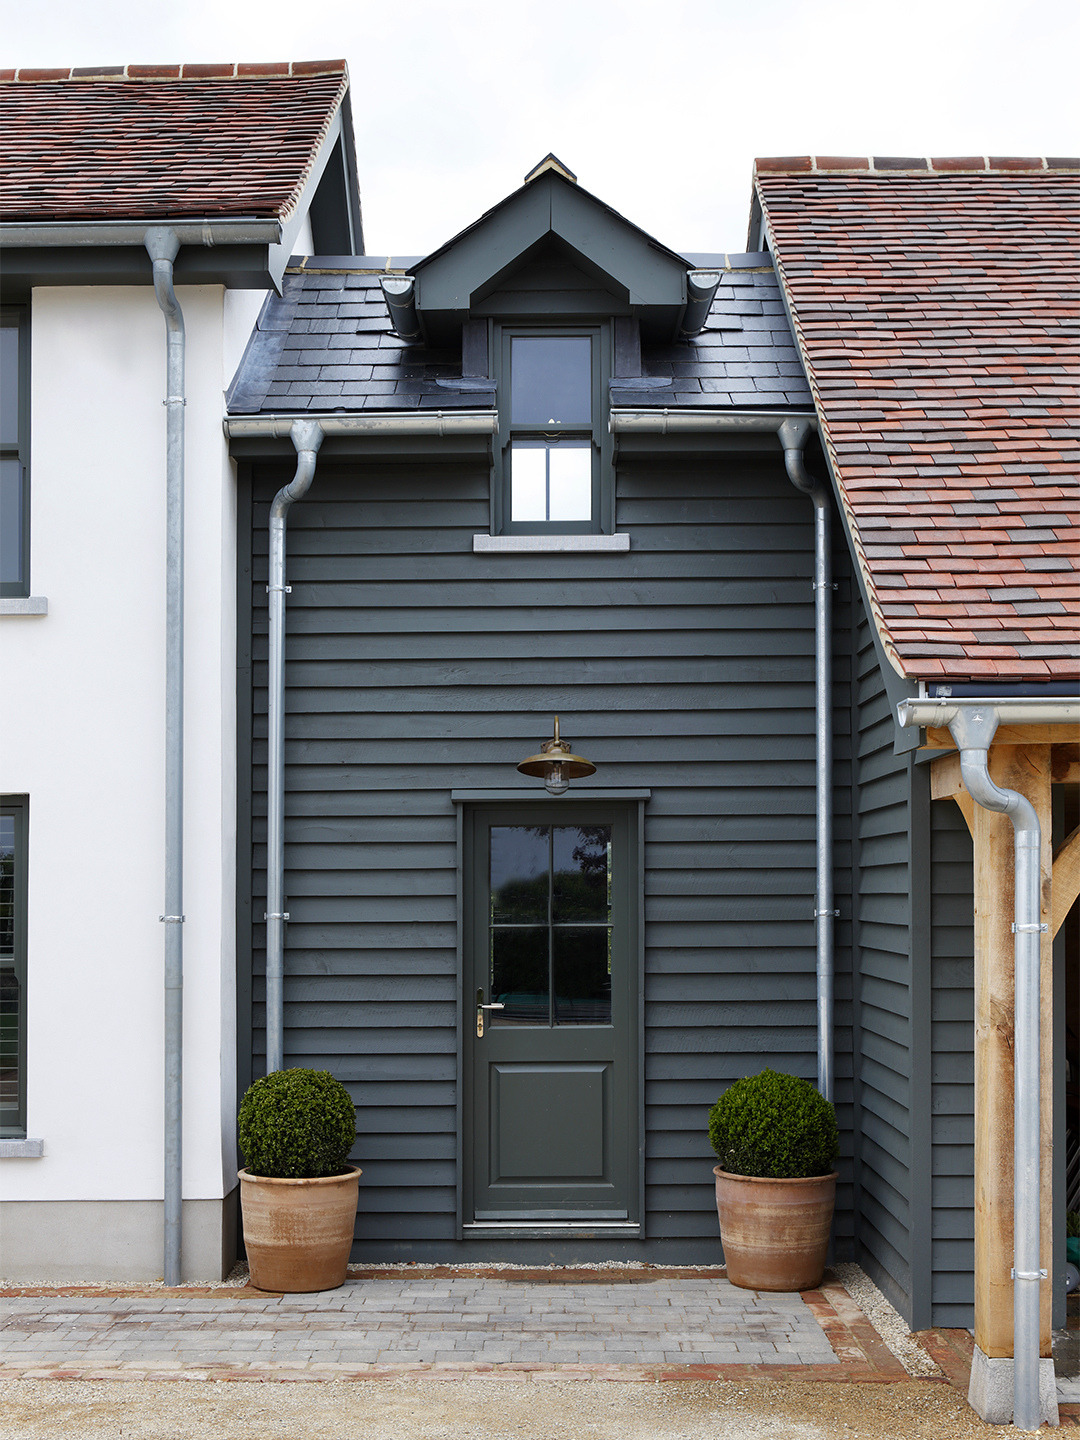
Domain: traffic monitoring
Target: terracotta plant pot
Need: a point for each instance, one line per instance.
(775, 1232)
(298, 1233)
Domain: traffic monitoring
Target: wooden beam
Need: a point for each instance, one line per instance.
(1066, 879)
(1065, 764)
(946, 783)
(1027, 770)
(941, 739)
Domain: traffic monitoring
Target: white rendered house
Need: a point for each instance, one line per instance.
(242, 166)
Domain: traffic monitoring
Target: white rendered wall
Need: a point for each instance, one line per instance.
(83, 730)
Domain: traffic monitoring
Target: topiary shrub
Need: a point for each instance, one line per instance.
(297, 1125)
(774, 1126)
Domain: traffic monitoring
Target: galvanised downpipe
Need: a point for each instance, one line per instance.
(793, 435)
(973, 729)
(162, 245)
(307, 436)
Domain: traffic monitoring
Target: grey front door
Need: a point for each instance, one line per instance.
(551, 980)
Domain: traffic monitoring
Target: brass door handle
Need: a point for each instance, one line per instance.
(480, 1008)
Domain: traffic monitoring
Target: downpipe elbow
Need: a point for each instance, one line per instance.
(307, 437)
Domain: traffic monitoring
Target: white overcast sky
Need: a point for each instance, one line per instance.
(658, 105)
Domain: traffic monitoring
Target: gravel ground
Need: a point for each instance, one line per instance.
(486, 1410)
(887, 1321)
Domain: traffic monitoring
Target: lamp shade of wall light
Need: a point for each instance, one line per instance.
(555, 765)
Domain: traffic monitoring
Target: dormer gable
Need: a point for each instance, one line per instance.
(553, 246)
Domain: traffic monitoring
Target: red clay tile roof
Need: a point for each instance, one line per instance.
(143, 142)
(935, 303)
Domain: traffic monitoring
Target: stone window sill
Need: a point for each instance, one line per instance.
(548, 544)
(22, 1149)
(35, 605)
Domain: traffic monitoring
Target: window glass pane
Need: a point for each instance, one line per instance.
(11, 519)
(10, 989)
(7, 887)
(519, 975)
(582, 975)
(519, 874)
(582, 879)
(570, 482)
(551, 380)
(528, 482)
(9, 384)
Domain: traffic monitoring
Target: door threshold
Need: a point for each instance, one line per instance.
(552, 1227)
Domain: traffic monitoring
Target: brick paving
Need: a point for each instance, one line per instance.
(441, 1324)
(426, 1320)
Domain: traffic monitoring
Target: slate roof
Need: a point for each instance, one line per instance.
(162, 141)
(935, 306)
(327, 345)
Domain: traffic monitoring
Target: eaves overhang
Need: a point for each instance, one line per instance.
(237, 253)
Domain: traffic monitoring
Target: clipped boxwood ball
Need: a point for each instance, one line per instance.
(297, 1125)
(774, 1126)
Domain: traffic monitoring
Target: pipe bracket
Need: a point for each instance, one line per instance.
(279, 915)
(1029, 1275)
(1029, 929)
(172, 919)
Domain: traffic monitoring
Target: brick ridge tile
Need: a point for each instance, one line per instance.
(921, 165)
(227, 70)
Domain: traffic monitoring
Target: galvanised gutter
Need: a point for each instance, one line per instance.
(134, 232)
(307, 436)
(793, 429)
(162, 245)
(973, 724)
(662, 421)
(386, 422)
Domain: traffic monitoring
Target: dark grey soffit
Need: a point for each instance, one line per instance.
(238, 267)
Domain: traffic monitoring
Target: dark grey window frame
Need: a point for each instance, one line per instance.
(603, 475)
(20, 315)
(19, 807)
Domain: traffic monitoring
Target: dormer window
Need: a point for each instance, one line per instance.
(550, 401)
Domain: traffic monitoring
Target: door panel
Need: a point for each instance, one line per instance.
(551, 980)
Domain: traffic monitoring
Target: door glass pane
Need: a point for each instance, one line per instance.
(519, 975)
(582, 975)
(582, 878)
(551, 380)
(519, 874)
(528, 481)
(570, 481)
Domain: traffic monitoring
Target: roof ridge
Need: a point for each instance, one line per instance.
(227, 70)
(907, 164)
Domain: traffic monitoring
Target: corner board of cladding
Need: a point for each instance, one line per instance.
(417, 666)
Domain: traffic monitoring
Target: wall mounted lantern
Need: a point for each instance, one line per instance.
(555, 765)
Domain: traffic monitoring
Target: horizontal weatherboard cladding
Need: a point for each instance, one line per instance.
(885, 1242)
(953, 1069)
(416, 667)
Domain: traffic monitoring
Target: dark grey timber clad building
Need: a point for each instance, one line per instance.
(595, 538)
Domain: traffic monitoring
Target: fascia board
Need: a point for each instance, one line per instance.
(648, 275)
(452, 279)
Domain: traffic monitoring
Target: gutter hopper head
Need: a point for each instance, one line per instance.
(550, 162)
(399, 292)
(701, 287)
